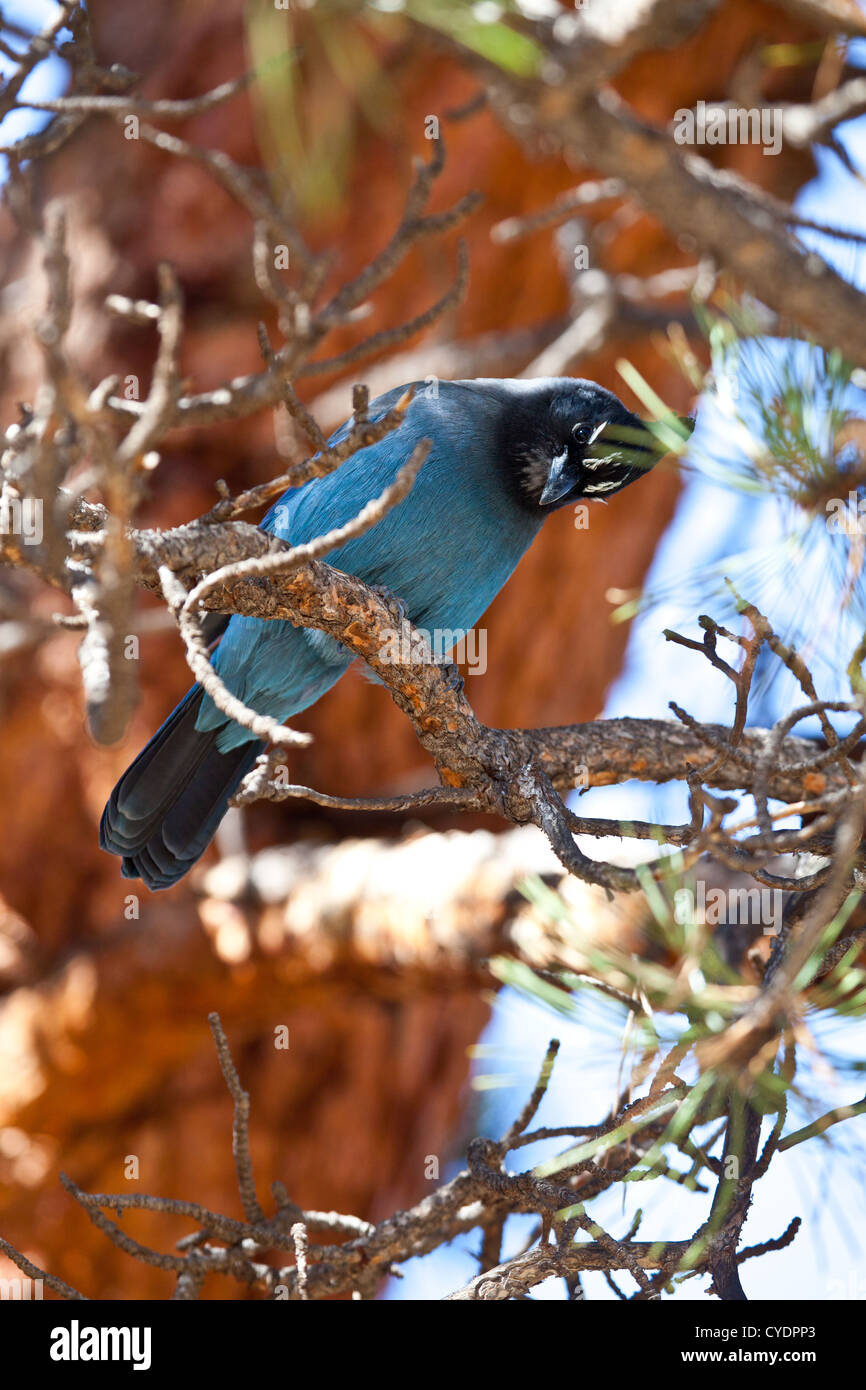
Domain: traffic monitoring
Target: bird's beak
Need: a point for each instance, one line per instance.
(559, 480)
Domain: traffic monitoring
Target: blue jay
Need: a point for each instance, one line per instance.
(505, 454)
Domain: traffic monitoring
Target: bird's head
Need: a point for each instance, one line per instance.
(572, 439)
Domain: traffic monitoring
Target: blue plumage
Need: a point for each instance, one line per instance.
(447, 575)
(504, 453)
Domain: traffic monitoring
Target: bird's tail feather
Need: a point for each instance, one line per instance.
(167, 806)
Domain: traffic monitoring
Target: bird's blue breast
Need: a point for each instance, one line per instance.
(445, 550)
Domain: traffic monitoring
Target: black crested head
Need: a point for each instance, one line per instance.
(564, 439)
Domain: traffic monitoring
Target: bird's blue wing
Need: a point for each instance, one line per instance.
(445, 550)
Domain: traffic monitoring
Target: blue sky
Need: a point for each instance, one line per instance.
(46, 79)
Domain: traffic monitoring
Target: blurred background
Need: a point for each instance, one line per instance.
(368, 939)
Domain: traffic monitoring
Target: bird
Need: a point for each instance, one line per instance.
(504, 454)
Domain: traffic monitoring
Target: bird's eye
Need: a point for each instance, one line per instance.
(581, 434)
